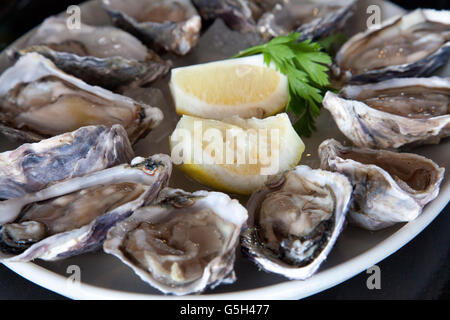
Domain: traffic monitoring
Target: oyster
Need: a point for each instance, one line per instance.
(103, 56)
(37, 100)
(73, 216)
(237, 14)
(388, 187)
(183, 242)
(312, 18)
(31, 167)
(295, 220)
(394, 112)
(413, 45)
(171, 24)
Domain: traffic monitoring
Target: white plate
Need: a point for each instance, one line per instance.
(104, 277)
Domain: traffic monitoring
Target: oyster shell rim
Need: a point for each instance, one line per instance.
(407, 69)
(209, 278)
(329, 155)
(85, 237)
(257, 254)
(151, 116)
(193, 24)
(397, 131)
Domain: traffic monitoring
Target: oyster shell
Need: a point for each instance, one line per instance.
(295, 220)
(37, 100)
(388, 187)
(237, 14)
(31, 167)
(73, 216)
(171, 24)
(183, 242)
(312, 18)
(413, 45)
(394, 112)
(103, 56)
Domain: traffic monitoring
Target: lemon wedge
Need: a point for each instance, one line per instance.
(235, 155)
(245, 87)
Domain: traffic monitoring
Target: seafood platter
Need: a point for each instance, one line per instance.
(345, 155)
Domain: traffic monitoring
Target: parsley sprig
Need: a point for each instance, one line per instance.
(305, 65)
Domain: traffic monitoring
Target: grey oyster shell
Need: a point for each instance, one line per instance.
(171, 24)
(103, 56)
(312, 18)
(388, 187)
(237, 14)
(73, 216)
(32, 167)
(413, 45)
(393, 113)
(183, 242)
(37, 101)
(295, 220)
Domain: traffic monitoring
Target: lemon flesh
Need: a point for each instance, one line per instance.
(235, 155)
(245, 87)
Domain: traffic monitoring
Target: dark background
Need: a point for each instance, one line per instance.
(419, 270)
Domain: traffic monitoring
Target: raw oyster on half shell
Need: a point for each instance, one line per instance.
(73, 216)
(37, 101)
(312, 18)
(32, 167)
(99, 55)
(171, 24)
(393, 113)
(388, 187)
(413, 45)
(295, 220)
(183, 242)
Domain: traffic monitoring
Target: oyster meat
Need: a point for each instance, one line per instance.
(73, 216)
(171, 24)
(295, 220)
(105, 56)
(413, 45)
(31, 167)
(312, 18)
(37, 100)
(183, 242)
(393, 113)
(388, 187)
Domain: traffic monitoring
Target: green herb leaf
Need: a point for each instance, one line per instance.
(332, 43)
(306, 66)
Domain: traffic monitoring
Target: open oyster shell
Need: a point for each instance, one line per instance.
(237, 14)
(312, 18)
(394, 112)
(388, 187)
(413, 45)
(295, 220)
(171, 24)
(183, 242)
(37, 100)
(31, 167)
(103, 56)
(73, 216)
